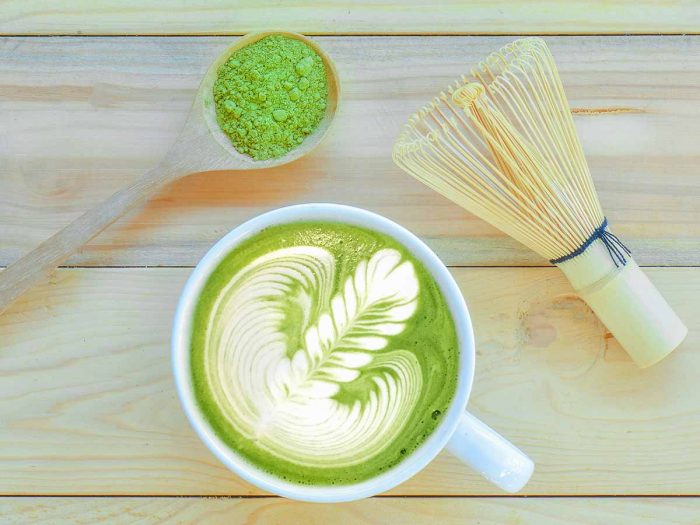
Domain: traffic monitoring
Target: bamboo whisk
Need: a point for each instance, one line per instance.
(501, 143)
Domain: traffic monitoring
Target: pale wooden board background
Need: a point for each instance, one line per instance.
(142, 17)
(82, 117)
(378, 511)
(87, 405)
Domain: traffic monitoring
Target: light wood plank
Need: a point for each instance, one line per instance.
(88, 406)
(384, 511)
(82, 117)
(109, 17)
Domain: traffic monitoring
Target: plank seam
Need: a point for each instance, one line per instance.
(381, 496)
(343, 35)
(190, 267)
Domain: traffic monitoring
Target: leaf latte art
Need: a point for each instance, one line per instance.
(286, 404)
(302, 355)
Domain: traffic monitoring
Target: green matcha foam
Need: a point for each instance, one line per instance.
(323, 353)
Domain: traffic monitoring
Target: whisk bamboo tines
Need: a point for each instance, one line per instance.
(501, 143)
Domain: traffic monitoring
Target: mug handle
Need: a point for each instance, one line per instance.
(490, 454)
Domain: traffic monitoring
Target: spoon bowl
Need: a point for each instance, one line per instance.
(202, 121)
(204, 102)
(200, 146)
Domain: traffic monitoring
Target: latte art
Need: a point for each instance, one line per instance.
(305, 358)
(285, 403)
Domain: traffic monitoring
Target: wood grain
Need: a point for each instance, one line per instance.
(88, 404)
(384, 511)
(200, 146)
(109, 17)
(83, 117)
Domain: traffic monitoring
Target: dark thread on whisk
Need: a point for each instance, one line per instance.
(616, 249)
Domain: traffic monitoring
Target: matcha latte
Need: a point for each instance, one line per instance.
(322, 353)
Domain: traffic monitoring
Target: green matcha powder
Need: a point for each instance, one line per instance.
(270, 95)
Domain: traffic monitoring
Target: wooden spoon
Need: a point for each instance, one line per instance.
(201, 146)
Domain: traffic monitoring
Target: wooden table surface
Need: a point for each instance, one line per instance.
(91, 430)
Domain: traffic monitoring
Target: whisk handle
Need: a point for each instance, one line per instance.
(636, 313)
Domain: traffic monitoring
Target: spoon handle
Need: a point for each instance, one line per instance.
(38, 264)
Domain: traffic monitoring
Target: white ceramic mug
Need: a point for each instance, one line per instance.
(461, 433)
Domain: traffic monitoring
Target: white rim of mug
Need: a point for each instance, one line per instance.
(343, 214)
